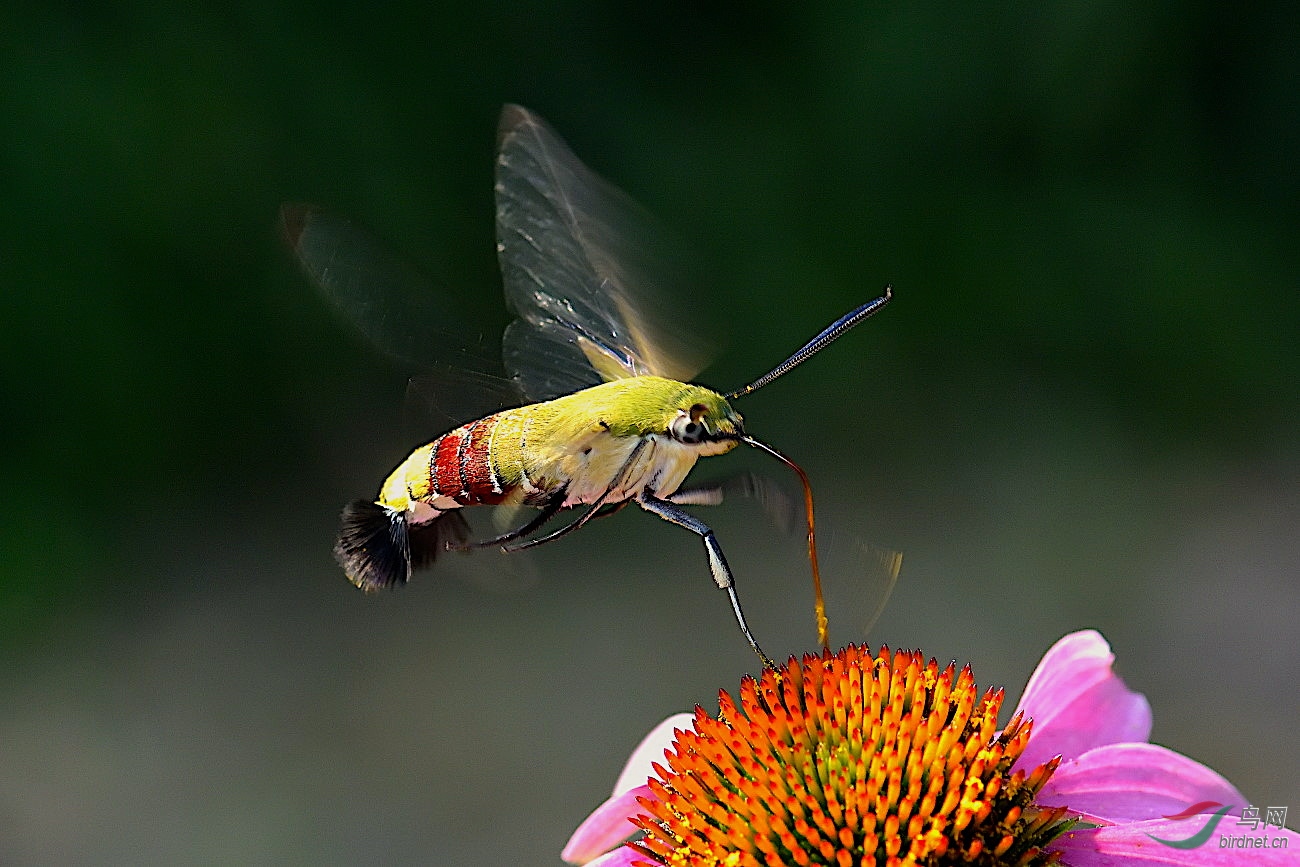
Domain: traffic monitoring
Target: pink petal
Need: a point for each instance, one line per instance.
(651, 749)
(623, 856)
(1128, 782)
(1077, 702)
(605, 828)
(609, 824)
(1130, 846)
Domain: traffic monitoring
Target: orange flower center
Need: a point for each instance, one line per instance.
(848, 759)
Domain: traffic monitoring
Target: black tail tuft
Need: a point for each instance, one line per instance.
(373, 546)
(377, 547)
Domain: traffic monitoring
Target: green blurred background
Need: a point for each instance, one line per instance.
(1081, 409)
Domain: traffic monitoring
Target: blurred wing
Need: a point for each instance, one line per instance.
(450, 395)
(401, 312)
(395, 306)
(576, 259)
(860, 579)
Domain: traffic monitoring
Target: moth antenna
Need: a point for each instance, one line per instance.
(378, 547)
(828, 335)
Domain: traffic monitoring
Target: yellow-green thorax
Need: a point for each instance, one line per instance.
(582, 443)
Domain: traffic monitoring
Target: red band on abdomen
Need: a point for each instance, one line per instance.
(446, 465)
(476, 464)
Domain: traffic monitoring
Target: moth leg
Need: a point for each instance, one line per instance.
(610, 509)
(744, 485)
(705, 495)
(596, 510)
(722, 576)
(568, 528)
(548, 511)
(779, 508)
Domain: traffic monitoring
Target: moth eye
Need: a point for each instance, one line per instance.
(685, 430)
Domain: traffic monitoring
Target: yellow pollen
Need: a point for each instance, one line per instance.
(850, 759)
